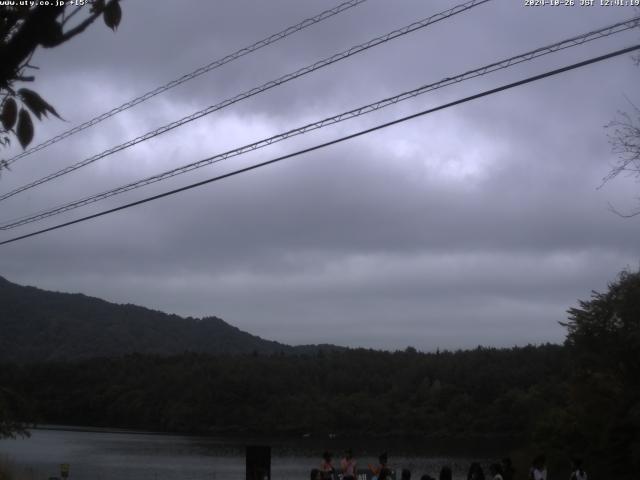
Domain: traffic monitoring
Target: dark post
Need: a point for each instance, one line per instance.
(258, 462)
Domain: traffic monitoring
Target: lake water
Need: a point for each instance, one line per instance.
(139, 456)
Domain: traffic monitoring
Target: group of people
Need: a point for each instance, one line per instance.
(538, 470)
(348, 470)
(497, 471)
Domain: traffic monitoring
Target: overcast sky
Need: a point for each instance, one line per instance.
(480, 224)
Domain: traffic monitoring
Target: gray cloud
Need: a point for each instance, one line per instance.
(481, 224)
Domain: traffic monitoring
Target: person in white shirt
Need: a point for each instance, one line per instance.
(538, 468)
(496, 471)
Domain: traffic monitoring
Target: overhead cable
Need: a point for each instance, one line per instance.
(329, 143)
(499, 65)
(189, 76)
(254, 91)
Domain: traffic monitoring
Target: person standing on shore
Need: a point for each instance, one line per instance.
(577, 472)
(445, 473)
(348, 466)
(496, 471)
(326, 467)
(538, 468)
(508, 472)
(475, 472)
(379, 470)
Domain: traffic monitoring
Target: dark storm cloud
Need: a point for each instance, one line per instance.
(479, 224)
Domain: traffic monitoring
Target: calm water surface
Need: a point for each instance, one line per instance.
(139, 456)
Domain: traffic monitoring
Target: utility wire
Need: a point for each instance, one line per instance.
(256, 90)
(499, 65)
(331, 142)
(189, 76)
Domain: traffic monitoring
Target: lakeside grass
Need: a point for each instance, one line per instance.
(10, 471)
(7, 470)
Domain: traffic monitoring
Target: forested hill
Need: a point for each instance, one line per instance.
(581, 398)
(39, 325)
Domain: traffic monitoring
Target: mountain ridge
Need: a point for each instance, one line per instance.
(43, 325)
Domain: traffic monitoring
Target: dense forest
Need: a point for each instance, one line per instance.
(581, 398)
(479, 392)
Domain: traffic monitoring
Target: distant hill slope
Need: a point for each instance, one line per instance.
(39, 325)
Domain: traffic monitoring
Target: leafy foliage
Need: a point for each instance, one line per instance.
(24, 27)
(24, 131)
(9, 114)
(604, 341)
(112, 15)
(36, 103)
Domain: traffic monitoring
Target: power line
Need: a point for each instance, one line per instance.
(254, 91)
(331, 142)
(195, 73)
(499, 65)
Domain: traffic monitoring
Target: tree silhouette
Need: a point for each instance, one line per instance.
(24, 28)
(12, 406)
(625, 142)
(604, 340)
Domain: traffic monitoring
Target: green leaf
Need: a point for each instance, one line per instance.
(9, 114)
(36, 103)
(24, 132)
(112, 14)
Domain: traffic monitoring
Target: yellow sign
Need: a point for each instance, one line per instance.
(64, 470)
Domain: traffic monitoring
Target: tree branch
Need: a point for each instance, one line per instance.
(81, 27)
(622, 215)
(26, 40)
